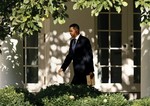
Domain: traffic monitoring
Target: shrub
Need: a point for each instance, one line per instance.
(66, 95)
(9, 97)
(62, 92)
(141, 102)
(112, 100)
(102, 100)
(78, 95)
(64, 100)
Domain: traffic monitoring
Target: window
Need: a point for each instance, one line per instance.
(30, 58)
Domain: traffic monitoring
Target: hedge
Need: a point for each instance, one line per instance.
(66, 95)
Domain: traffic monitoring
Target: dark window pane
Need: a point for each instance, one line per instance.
(103, 40)
(136, 10)
(103, 10)
(116, 57)
(103, 21)
(137, 20)
(116, 75)
(24, 41)
(24, 77)
(116, 39)
(105, 74)
(115, 22)
(32, 57)
(24, 57)
(32, 41)
(104, 55)
(32, 75)
(137, 57)
(137, 74)
(113, 10)
(137, 39)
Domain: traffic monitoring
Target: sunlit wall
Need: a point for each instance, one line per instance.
(145, 62)
(11, 68)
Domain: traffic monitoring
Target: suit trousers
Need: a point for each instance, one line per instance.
(79, 78)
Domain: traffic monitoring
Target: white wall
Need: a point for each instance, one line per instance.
(145, 62)
(11, 68)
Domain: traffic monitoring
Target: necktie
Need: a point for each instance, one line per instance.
(73, 44)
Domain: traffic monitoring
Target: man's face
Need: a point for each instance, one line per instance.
(73, 32)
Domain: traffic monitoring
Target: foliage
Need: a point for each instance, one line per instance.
(59, 92)
(25, 17)
(5, 12)
(98, 5)
(66, 95)
(58, 101)
(144, 6)
(28, 15)
(77, 95)
(141, 102)
(9, 97)
(103, 100)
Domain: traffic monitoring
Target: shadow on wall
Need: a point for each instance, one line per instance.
(10, 63)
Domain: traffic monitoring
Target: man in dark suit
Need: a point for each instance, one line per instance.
(80, 52)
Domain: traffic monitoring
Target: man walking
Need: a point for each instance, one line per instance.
(80, 52)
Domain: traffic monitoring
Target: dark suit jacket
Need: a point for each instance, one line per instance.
(82, 60)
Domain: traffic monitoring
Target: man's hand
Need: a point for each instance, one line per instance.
(91, 75)
(90, 79)
(60, 72)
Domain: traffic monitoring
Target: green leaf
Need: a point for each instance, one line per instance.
(14, 23)
(32, 3)
(11, 18)
(124, 3)
(40, 24)
(97, 13)
(100, 7)
(21, 35)
(110, 3)
(118, 9)
(24, 19)
(22, 26)
(30, 32)
(61, 21)
(26, 1)
(92, 12)
(37, 17)
(55, 21)
(35, 28)
(137, 3)
(148, 23)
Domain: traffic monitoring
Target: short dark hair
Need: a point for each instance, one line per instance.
(75, 26)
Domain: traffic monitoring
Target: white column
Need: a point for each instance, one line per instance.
(11, 64)
(145, 62)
